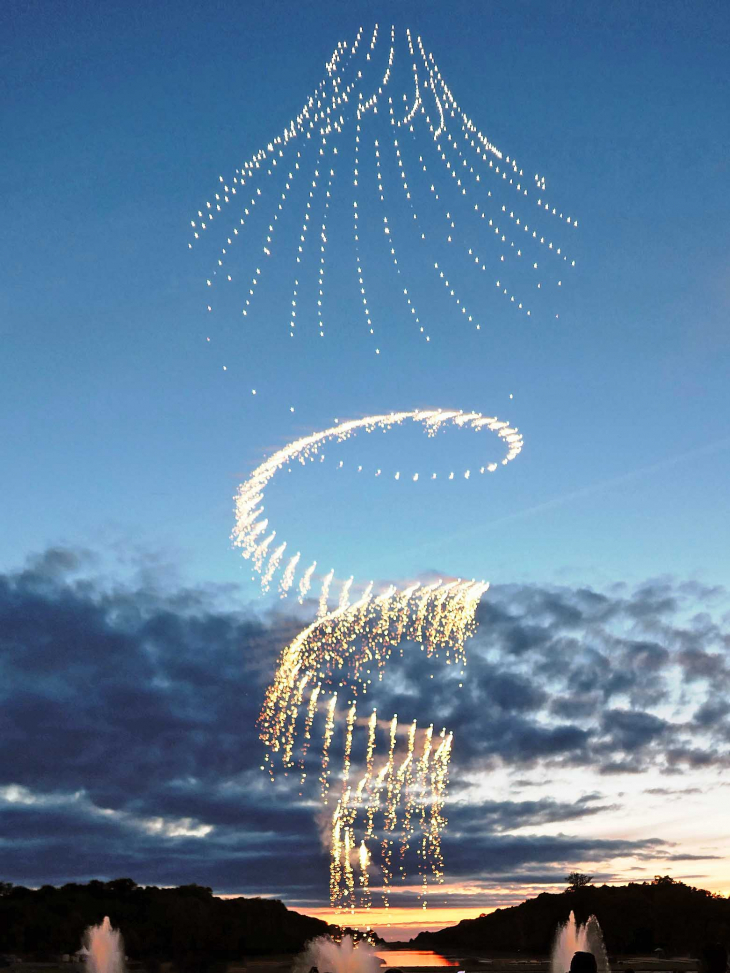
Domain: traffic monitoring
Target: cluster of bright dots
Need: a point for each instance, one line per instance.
(395, 800)
(462, 181)
(390, 241)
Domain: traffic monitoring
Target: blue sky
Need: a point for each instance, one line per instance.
(121, 432)
(117, 124)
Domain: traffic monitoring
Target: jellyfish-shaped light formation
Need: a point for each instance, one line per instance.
(384, 172)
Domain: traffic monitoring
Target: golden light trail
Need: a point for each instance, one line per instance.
(322, 612)
(329, 727)
(306, 582)
(251, 494)
(401, 770)
(288, 577)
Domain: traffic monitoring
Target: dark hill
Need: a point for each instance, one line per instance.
(635, 918)
(187, 925)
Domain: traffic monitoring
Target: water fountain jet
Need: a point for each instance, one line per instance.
(105, 948)
(330, 956)
(571, 938)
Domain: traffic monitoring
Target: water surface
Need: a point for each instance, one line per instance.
(398, 958)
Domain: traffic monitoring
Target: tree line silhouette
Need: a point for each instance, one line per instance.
(200, 933)
(188, 925)
(636, 919)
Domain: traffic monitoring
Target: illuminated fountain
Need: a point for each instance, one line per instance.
(329, 956)
(572, 937)
(105, 948)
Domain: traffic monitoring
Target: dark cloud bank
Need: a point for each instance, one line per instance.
(129, 747)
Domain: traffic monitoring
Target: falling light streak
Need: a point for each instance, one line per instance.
(322, 612)
(309, 720)
(345, 594)
(329, 727)
(272, 566)
(288, 577)
(306, 582)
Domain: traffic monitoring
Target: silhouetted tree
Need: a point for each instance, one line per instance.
(577, 880)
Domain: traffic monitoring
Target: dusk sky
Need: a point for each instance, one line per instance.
(593, 727)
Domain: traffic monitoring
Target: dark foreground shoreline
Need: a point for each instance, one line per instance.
(648, 927)
(283, 963)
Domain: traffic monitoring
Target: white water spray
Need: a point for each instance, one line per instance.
(106, 948)
(330, 956)
(572, 938)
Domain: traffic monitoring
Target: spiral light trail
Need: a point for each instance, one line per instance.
(381, 811)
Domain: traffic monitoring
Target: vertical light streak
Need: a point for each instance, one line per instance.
(351, 716)
(329, 727)
(327, 581)
(287, 579)
(345, 594)
(306, 582)
(364, 862)
(273, 566)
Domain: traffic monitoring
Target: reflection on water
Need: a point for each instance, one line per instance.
(399, 958)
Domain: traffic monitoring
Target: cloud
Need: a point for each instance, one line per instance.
(128, 712)
(673, 792)
(500, 816)
(508, 853)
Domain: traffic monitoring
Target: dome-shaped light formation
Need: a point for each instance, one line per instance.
(380, 113)
(394, 800)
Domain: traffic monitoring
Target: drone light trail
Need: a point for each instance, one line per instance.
(433, 221)
(383, 113)
(392, 796)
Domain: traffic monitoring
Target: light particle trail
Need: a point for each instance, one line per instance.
(250, 498)
(477, 209)
(400, 794)
(471, 235)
